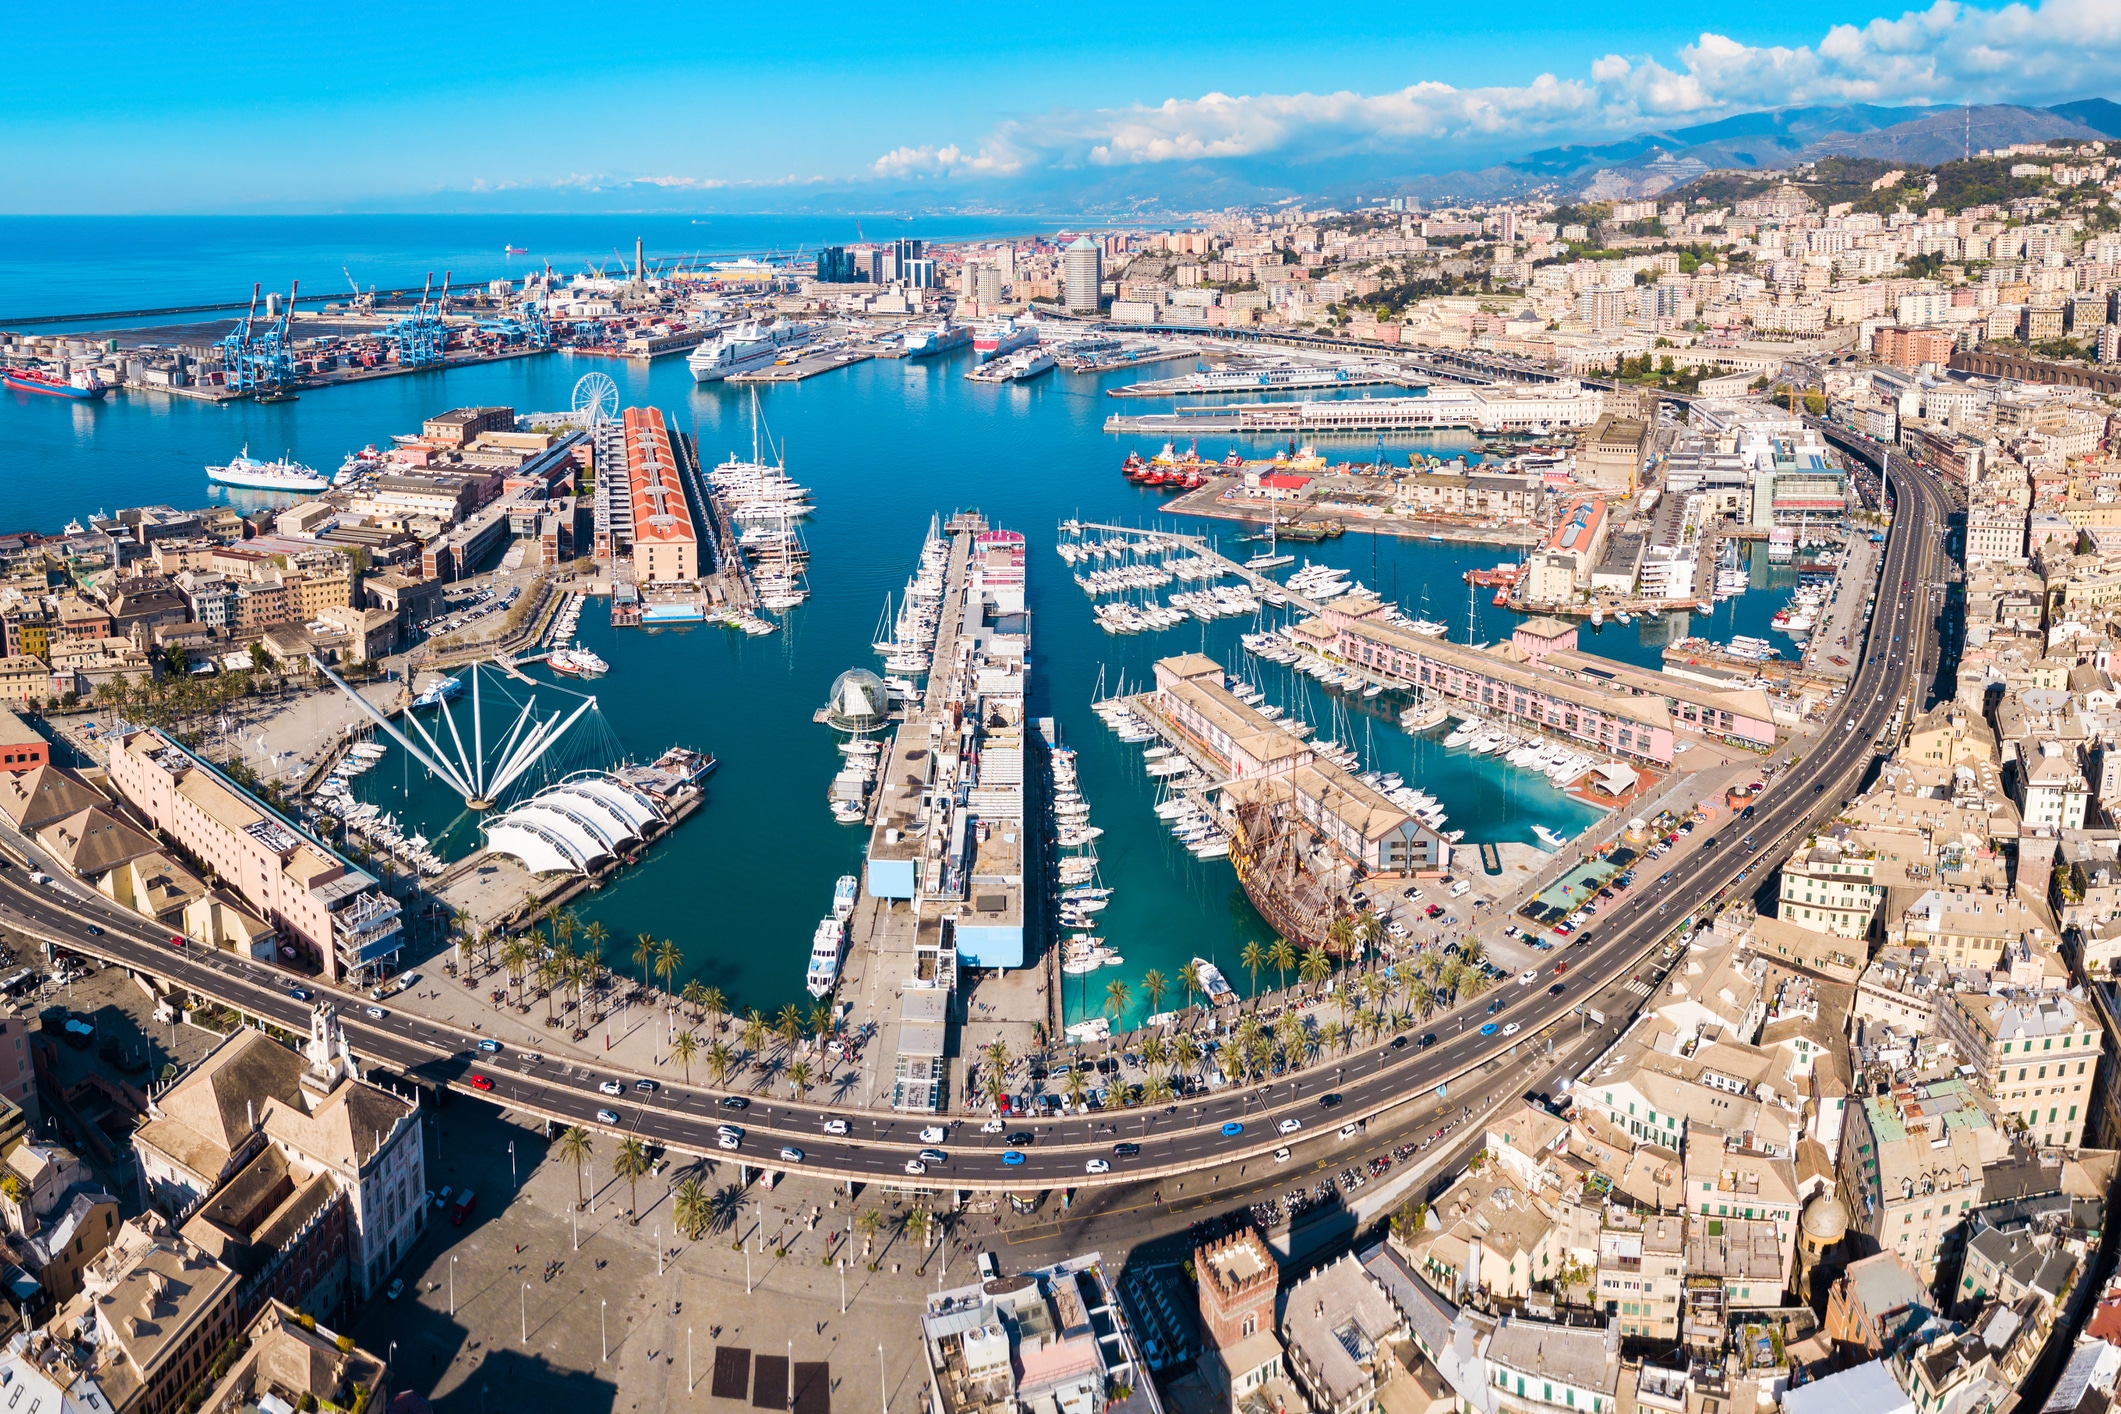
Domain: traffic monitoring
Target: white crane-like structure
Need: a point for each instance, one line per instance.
(469, 772)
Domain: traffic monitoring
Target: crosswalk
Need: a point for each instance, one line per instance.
(1638, 988)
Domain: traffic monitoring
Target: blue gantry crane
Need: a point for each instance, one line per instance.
(421, 337)
(252, 359)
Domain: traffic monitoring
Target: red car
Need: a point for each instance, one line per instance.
(1560, 967)
(175, 941)
(480, 1082)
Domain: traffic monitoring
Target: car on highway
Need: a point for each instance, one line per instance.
(612, 1087)
(1561, 967)
(1399, 1043)
(1231, 1129)
(1488, 1030)
(1012, 1157)
(1328, 1100)
(728, 1131)
(1527, 977)
(992, 1126)
(375, 1013)
(1098, 1166)
(1022, 1139)
(1512, 1029)
(94, 931)
(1557, 989)
(792, 1154)
(479, 1082)
(1281, 1155)
(932, 1134)
(835, 1126)
(916, 1167)
(646, 1087)
(1350, 1129)
(734, 1102)
(730, 1141)
(488, 1044)
(934, 1156)
(175, 941)
(1428, 1039)
(607, 1116)
(1125, 1151)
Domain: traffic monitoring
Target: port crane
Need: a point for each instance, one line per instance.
(421, 337)
(362, 304)
(251, 359)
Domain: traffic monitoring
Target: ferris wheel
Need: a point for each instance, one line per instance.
(596, 399)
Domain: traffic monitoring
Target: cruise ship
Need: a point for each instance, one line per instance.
(745, 347)
(248, 472)
(1002, 336)
(827, 946)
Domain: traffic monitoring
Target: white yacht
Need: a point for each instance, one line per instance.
(827, 946)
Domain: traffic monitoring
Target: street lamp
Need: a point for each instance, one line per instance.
(883, 1387)
(603, 1330)
(452, 1285)
(526, 1313)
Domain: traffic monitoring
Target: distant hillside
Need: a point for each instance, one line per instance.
(2098, 114)
(1955, 133)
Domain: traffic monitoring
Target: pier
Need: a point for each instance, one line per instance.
(1271, 378)
(1296, 418)
(808, 366)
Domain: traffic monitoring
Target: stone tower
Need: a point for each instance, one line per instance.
(1238, 1278)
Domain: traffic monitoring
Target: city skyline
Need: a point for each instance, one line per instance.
(286, 112)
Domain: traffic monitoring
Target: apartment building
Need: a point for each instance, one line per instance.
(1830, 886)
(2037, 1054)
(1911, 1168)
(321, 901)
(1641, 1271)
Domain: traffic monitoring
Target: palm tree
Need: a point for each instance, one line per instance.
(1251, 957)
(996, 1054)
(667, 962)
(1370, 932)
(1291, 1033)
(720, 1061)
(644, 954)
(1340, 936)
(594, 934)
(575, 1148)
(920, 1226)
(1116, 999)
(515, 960)
(1075, 1086)
(789, 1025)
(1315, 968)
(548, 977)
(713, 1003)
(1245, 1039)
(1474, 982)
(1373, 989)
(693, 995)
(754, 1036)
(1155, 1054)
(1158, 1091)
(1281, 957)
(1154, 985)
(1189, 978)
(692, 1208)
(1185, 1053)
(820, 1019)
(1338, 1034)
(630, 1162)
(1472, 952)
(866, 1222)
(1419, 997)
(683, 1047)
(799, 1078)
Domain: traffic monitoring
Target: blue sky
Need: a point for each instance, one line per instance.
(534, 106)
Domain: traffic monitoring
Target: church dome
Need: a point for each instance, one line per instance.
(1825, 1220)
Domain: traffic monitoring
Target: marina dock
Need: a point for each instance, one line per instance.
(808, 366)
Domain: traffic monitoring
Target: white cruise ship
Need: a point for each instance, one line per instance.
(286, 474)
(1001, 337)
(745, 347)
(827, 946)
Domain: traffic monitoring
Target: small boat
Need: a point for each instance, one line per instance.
(439, 691)
(843, 894)
(577, 662)
(1211, 982)
(827, 946)
(1550, 838)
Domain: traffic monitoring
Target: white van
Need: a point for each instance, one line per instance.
(1460, 886)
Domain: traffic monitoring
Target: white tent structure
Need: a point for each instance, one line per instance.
(571, 827)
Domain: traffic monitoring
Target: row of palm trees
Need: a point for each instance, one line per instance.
(1417, 987)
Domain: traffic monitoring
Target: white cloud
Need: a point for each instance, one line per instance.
(1950, 52)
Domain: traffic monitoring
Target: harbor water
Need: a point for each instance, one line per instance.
(883, 446)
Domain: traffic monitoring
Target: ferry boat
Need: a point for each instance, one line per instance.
(1211, 982)
(1004, 336)
(248, 472)
(357, 465)
(439, 691)
(922, 341)
(747, 346)
(1022, 366)
(577, 662)
(827, 946)
(82, 384)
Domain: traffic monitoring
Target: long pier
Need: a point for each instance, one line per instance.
(1290, 416)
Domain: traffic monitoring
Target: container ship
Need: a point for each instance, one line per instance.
(82, 385)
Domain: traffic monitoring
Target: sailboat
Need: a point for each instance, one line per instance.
(1270, 560)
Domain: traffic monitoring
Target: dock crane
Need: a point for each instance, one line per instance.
(235, 347)
(362, 304)
(251, 359)
(420, 337)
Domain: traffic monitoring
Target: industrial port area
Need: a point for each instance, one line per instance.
(1378, 856)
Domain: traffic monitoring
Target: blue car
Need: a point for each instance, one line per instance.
(1488, 1030)
(1012, 1157)
(1232, 1128)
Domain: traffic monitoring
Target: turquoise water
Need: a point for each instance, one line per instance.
(883, 445)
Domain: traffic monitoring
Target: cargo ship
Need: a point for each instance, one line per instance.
(82, 385)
